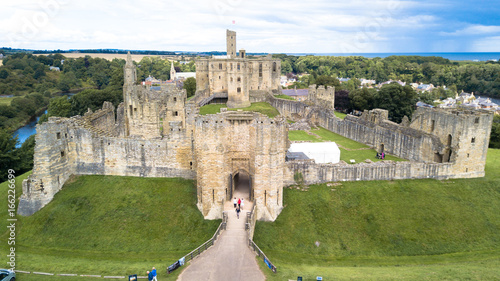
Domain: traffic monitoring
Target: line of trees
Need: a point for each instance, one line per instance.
(482, 78)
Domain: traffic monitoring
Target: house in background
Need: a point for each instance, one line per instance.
(297, 94)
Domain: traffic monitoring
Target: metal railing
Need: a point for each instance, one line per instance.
(196, 252)
(261, 254)
(250, 228)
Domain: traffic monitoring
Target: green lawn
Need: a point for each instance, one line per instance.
(302, 136)
(389, 230)
(340, 114)
(111, 226)
(285, 97)
(327, 135)
(349, 149)
(262, 107)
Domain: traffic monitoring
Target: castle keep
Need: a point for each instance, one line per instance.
(239, 79)
(156, 132)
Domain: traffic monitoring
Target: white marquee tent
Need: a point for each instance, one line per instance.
(321, 152)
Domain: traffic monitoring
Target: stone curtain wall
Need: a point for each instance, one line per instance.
(67, 146)
(313, 173)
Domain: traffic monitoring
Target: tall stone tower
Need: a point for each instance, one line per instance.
(231, 43)
(172, 71)
(130, 74)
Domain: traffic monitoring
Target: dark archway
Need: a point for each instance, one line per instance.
(242, 186)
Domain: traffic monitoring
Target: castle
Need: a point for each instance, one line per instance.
(157, 132)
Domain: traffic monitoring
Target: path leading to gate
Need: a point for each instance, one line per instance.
(229, 258)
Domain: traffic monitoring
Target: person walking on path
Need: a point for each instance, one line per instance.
(238, 212)
(150, 276)
(235, 202)
(153, 272)
(239, 203)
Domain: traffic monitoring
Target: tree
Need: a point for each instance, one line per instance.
(342, 100)
(190, 86)
(495, 133)
(4, 73)
(59, 106)
(9, 158)
(67, 81)
(398, 100)
(362, 99)
(327, 81)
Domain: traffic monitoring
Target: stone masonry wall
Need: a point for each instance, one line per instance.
(71, 146)
(232, 142)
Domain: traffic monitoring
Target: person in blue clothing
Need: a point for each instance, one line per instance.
(150, 276)
(154, 274)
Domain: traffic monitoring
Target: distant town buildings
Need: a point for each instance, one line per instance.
(468, 100)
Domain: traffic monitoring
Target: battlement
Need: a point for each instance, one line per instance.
(322, 97)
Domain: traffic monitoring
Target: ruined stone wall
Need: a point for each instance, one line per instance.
(385, 170)
(72, 146)
(288, 108)
(464, 135)
(153, 114)
(321, 97)
(232, 142)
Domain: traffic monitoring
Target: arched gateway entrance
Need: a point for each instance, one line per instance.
(240, 186)
(240, 154)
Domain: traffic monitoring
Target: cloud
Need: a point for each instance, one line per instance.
(262, 25)
(474, 30)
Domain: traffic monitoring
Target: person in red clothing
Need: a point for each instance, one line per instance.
(239, 203)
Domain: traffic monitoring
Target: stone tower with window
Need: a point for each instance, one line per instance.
(240, 79)
(152, 112)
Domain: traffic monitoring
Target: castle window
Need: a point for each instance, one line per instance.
(238, 66)
(467, 155)
(219, 77)
(476, 121)
(220, 65)
(66, 135)
(433, 122)
(238, 90)
(62, 153)
(58, 135)
(239, 79)
(191, 165)
(274, 66)
(231, 66)
(176, 113)
(175, 99)
(260, 69)
(473, 140)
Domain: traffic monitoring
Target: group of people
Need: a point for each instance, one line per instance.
(380, 155)
(152, 274)
(238, 205)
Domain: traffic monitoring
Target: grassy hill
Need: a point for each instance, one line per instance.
(405, 229)
(111, 225)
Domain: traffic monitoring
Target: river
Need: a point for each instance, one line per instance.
(25, 132)
(29, 129)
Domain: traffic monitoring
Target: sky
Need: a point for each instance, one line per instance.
(313, 26)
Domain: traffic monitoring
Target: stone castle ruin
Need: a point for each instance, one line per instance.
(157, 132)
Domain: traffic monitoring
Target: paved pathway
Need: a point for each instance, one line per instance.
(229, 258)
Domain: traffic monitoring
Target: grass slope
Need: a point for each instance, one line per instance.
(349, 149)
(112, 226)
(262, 107)
(389, 230)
